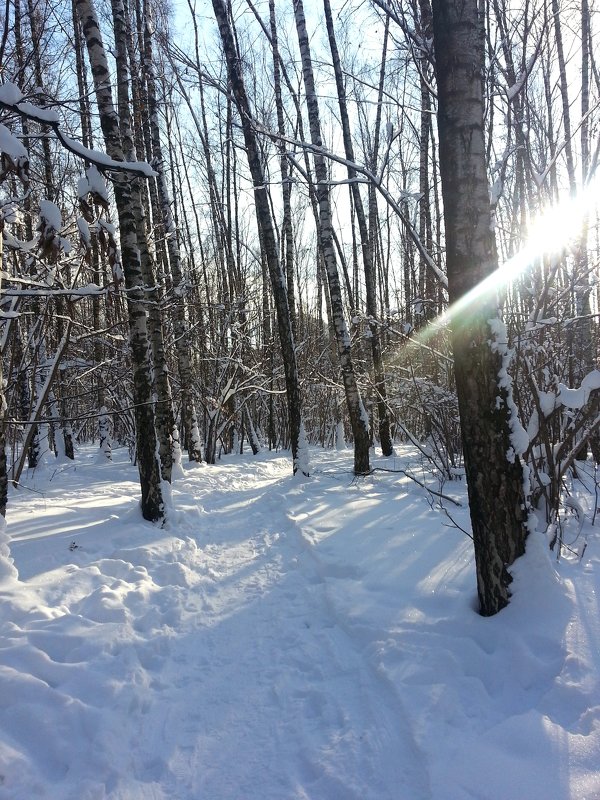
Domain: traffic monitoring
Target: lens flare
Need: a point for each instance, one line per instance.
(549, 233)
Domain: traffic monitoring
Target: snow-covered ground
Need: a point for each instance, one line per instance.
(285, 639)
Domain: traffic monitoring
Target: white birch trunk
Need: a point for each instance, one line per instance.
(182, 343)
(152, 502)
(358, 417)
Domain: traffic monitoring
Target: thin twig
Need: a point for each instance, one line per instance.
(420, 483)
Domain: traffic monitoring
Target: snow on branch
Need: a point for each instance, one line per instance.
(11, 99)
(89, 290)
(14, 157)
(578, 398)
(517, 87)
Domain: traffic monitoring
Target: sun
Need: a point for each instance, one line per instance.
(555, 227)
(550, 232)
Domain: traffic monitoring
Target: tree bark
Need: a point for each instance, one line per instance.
(356, 411)
(488, 417)
(184, 363)
(286, 183)
(3, 468)
(146, 442)
(366, 248)
(267, 229)
(163, 409)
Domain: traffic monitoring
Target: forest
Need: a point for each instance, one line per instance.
(241, 227)
(299, 311)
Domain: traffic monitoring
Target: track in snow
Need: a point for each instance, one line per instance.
(205, 661)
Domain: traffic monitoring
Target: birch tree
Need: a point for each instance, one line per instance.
(488, 416)
(127, 203)
(366, 245)
(188, 404)
(356, 411)
(267, 231)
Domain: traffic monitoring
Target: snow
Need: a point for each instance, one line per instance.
(13, 148)
(84, 231)
(496, 191)
(92, 182)
(571, 398)
(39, 114)
(547, 402)
(303, 458)
(591, 380)
(89, 290)
(513, 91)
(577, 398)
(10, 93)
(519, 438)
(96, 182)
(99, 158)
(285, 639)
(50, 214)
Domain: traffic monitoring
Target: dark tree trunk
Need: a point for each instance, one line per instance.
(366, 247)
(267, 230)
(146, 443)
(286, 184)
(356, 411)
(3, 468)
(494, 471)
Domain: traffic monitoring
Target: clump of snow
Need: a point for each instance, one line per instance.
(363, 414)
(578, 398)
(533, 426)
(571, 398)
(496, 191)
(104, 436)
(517, 87)
(101, 159)
(8, 571)
(302, 464)
(547, 402)
(50, 215)
(39, 114)
(12, 147)
(340, 437)
(11, 211)
(84, 232)
(10, 93)
(518, 435)
(94, 183)
(89, 290)
(107, 226)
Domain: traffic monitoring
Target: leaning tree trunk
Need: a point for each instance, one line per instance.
(487, 413)
(356, 411)
(22, 58)
(146, 442)
(267, 229)
(286, 183)
(385, 438)
(85, 116)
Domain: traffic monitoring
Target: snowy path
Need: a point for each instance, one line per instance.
(302, 715)
(217, 648)
(283, 639)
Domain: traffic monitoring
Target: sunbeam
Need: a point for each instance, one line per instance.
(549, 233)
